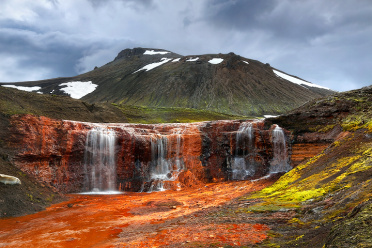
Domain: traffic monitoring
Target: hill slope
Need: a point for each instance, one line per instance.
(225, 83)
(327, 199)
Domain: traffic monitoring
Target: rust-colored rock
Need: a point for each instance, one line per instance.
(193, 154)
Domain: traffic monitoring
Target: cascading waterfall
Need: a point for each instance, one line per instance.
(243, 162)
(280, 162)
(99, 160)
(165, 167)
(178, 158)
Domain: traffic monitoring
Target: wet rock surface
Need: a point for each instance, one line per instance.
(180, 155)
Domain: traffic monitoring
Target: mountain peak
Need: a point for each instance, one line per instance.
(139, 51)
(151, 77)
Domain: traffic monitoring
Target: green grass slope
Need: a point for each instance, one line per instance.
(14, 101)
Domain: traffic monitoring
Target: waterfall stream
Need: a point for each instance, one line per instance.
(244, 165)
(165, 153)
(280, 162)
(243, 161)
(165, 167)
(99, 160)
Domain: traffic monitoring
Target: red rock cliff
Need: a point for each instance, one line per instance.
(147, 157)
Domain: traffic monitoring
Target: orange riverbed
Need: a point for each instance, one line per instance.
(159, 219)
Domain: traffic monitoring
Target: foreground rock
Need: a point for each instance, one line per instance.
(6, 179)
(26, 198)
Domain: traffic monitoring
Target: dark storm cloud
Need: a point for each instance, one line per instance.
(325, 42)
(241, 15)
(282, 19)
(50, 52)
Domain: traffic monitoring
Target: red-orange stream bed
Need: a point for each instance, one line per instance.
(158, 219)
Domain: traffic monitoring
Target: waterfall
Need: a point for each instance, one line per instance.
(178, 158)
(161, 167)
(243, 162)
(99, 160)
(279, 163)
(165, 167)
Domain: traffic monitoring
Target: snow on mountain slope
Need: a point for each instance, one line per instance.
(215, 61)
(78, 89)
(297, 80)
(154, 65)
(153, 52)
(24, 88)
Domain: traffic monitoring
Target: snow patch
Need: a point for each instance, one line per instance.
(24, 88)
(271, 116)
(152, 52)
(153, 65)
(245, 62)
(215, 61)
(191, 59)
(78, 89)
(176, 60)
(297, 81)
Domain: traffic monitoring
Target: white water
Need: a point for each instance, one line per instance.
(279, 163)
(243, 162)
(165, 167)
(99, 161)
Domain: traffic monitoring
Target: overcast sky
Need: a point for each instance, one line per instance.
(327, 42)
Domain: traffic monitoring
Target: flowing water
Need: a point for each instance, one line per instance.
(99, 160)
(243, 163)
(280, 161)
(167, 161)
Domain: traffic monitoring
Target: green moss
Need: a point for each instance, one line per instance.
(352, 123)
(22, 174)
(31, 197)
(322, 128)
(305, 182)
(270, 207)
(147, 115)
(12, 109)
(287, 179)
(50, 198)
(354, 231)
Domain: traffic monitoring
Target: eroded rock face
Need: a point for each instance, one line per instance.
(50, 150)
(147, 157)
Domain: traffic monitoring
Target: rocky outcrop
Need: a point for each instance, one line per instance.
(52, 151)
(354, 230)
(6, 179)
(146, 157)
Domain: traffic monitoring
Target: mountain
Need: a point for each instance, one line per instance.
(225, 83)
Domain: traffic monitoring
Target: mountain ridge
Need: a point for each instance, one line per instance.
(226, 83)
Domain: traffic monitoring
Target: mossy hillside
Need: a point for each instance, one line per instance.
(147, 115)
(350, 110)
(13, 101)
(324, 192)
(232, 87)
(356, 224)
(337, 169)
